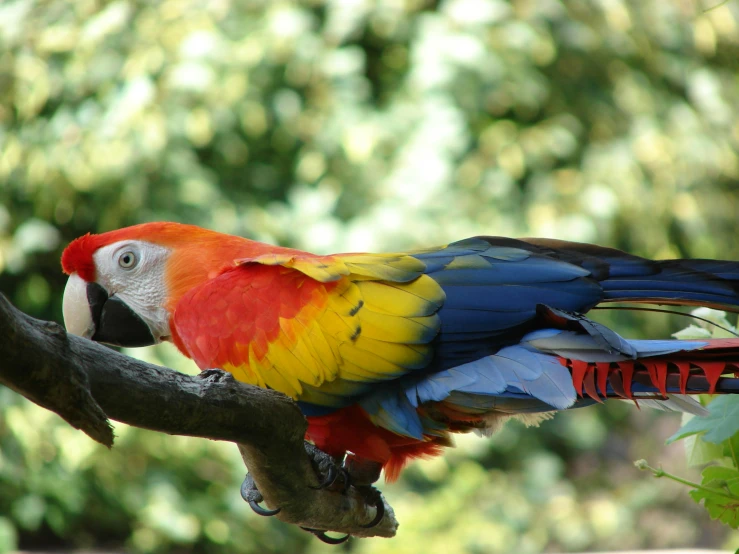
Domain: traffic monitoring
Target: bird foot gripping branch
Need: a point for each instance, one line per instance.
(336, 478)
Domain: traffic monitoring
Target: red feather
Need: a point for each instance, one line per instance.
(350, 429)
(254, 295)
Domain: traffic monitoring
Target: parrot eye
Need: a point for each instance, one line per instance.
(127, 260)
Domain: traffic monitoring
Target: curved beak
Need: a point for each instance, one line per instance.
(91, 313)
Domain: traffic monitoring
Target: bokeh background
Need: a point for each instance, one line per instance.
(364, 125)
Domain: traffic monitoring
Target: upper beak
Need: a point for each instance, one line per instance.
(77, 314)
(91, 313)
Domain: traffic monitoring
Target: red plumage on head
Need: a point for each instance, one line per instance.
(203, 250)
(77, 257)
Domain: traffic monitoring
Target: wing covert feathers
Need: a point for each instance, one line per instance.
(387, 267)
(315, 328)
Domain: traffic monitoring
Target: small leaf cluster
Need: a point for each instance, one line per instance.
(712, 439)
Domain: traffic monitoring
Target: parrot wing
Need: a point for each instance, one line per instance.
(327, 329)
(317, 328)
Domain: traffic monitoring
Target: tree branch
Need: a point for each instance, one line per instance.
(85, 383)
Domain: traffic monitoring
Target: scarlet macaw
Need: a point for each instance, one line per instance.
(389, 354)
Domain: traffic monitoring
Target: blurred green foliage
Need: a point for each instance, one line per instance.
(363, 125)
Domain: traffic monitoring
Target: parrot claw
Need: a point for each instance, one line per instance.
(355, 472)
(323, 537)
(371, 494)
(261, 511)
(380, 507)
(328, 468)
(332, 476)
(250, 493)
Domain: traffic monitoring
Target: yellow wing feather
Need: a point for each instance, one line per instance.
(363, 318)
(421, 297)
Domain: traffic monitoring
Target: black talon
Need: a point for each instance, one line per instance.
(372, 495)
(380, 507)
(330, 479)
(253, 497)
(262, 511)
(323, 537)
(324, 464)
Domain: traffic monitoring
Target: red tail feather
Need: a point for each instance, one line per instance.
(691, 372)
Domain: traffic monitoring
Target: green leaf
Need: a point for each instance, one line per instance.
(720, 424)
(725, 478)
(720, 485)
(699, 452)
(731, 451)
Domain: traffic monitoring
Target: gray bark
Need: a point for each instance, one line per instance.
(86, 383)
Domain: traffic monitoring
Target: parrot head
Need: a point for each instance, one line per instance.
(123, 285)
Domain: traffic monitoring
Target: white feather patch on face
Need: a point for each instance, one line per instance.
(133, 270)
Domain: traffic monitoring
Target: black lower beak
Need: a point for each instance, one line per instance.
(116, 323)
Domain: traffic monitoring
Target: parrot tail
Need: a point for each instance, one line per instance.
(711, 369)
(710, 283)
(627, 278)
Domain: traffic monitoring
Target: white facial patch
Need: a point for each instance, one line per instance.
(133, 271)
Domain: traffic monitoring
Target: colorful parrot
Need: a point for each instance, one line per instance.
(388, 355)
